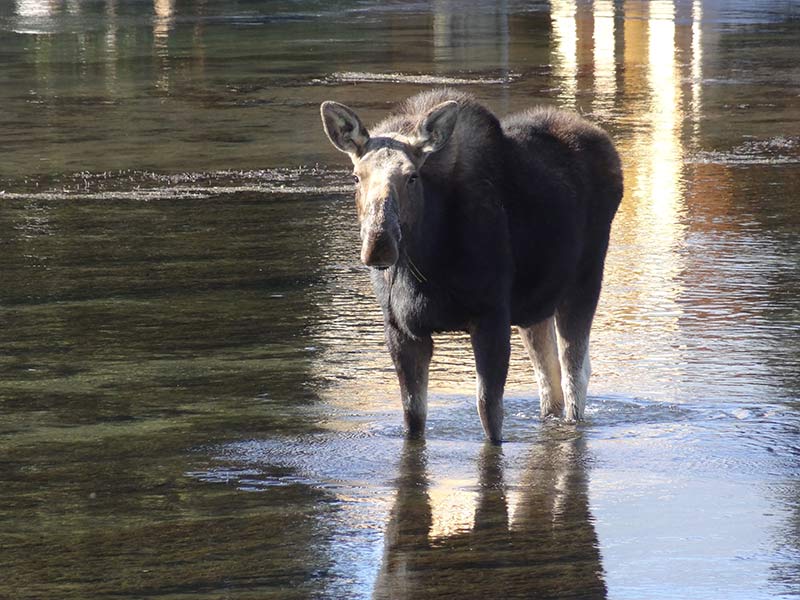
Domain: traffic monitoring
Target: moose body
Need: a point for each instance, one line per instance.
(475, 224)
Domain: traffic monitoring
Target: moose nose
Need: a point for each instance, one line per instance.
(379, 250)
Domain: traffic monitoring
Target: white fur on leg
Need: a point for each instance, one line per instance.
(576, 384)
(540, 341)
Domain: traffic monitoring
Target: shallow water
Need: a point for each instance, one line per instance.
(195, 399)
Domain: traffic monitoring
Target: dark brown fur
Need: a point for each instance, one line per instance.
(511, 226)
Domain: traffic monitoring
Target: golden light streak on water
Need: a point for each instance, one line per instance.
(565, 49)
(697, 64)
(666, 156)
(35, 8)
(164, 11)
(162, 25)
(111, 46)
(605, 64)
(646, 262)
(452, 507)
(635, 45)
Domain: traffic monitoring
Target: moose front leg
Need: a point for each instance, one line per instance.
(491, 343)
(411, 357)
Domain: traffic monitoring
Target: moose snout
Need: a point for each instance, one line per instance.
(379, 250)
(380, 233)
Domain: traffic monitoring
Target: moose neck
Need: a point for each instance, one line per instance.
(423, 237)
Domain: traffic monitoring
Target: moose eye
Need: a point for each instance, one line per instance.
(413, 178)
(356, 179)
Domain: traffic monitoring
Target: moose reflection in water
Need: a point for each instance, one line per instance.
(542, 545)
(474, 224)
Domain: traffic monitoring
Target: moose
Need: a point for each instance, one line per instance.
(471, 223)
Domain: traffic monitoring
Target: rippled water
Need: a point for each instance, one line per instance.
(195, 400)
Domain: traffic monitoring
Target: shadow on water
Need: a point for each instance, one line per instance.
(542, 516)
(542, 546)
(426, 519)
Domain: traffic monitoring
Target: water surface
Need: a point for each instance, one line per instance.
(195, 397)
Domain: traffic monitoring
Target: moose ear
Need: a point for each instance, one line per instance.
(344, 129)
(437, 127)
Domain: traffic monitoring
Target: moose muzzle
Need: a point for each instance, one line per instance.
(380, 235)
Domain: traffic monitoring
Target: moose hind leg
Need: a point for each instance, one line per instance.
(540, 341)
(412, 358)
(573, 329)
